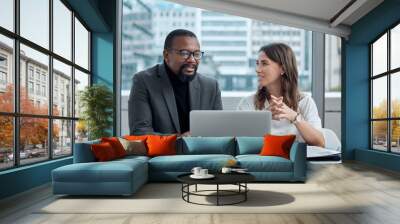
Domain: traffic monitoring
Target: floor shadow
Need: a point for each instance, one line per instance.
(255, 198)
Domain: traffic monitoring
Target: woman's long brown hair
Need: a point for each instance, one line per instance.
(283, 55)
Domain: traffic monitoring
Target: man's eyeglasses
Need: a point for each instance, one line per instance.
(186, 54)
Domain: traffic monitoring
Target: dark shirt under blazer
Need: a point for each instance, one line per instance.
(152, 106)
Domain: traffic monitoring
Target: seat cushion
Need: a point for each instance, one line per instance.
(257, 163)
(184, 163)
(111, 171)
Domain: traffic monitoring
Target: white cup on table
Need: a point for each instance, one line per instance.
(196, 170)
(203, 172)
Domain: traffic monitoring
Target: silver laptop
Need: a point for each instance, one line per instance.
(216, 123)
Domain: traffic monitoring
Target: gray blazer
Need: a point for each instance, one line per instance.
(152, 105)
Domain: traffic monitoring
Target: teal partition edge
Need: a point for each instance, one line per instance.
(355, 94)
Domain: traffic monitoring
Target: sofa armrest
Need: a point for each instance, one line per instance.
(83, 152)
(298, 155)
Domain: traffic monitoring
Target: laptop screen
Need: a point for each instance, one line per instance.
(218, 123)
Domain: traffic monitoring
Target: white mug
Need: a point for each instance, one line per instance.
(196, 170)
(203, 172)
(226, 170)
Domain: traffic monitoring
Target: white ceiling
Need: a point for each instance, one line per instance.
(320, 9)
(316, 15)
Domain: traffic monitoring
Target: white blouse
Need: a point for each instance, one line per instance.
(307, 109)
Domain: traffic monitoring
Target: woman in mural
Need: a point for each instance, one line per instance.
(293, 112)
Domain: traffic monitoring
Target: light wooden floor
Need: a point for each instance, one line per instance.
(378, 188)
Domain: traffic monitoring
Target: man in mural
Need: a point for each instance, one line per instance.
(162, 96)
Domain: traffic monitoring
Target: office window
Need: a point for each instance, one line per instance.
(62, 29)
(230, 43)
(43, 90)
(81, 81)
(81, 45)
(6, 142)
(33, 140)
(45, 131)
(30, 72)
(385, 96)
(62, 72)
(333, 77)
(34, 21)
(395, 47)
(6, 73)
(40, 62)
(7, 14)
(37, 91)
(3, 78)
(37, 74)
(3, 61)
(62, 137)
(30, 88)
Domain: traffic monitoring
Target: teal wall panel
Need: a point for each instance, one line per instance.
(102, 59)
(377, 158)
(24, 178)
(90, 12)
(356, 85)
(356, 114)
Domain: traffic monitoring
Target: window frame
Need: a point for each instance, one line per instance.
(16, 115)
(388, 74)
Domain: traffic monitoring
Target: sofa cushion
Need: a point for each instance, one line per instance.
(208, 145)
(112, 171)
(257, 163)
(134, 147)
(116, 145)
(277, 145)
(103, 152)
(185, 163)
(249, 145)
(136, 137)
(161, 145)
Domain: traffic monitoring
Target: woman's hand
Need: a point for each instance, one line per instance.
(280, 110)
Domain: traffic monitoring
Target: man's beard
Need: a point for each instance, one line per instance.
(186, 78)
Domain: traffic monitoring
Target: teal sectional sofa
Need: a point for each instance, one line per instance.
(125, 176)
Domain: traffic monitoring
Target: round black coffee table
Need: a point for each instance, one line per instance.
(238, 179)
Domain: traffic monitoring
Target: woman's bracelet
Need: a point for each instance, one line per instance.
(295, 118)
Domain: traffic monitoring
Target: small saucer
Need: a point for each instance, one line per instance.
(208, 176)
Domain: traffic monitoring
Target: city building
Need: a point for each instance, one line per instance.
(137, 40)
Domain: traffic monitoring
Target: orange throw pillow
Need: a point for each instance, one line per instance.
(136, 137)
(103, 152)
(275, 145)
(161, 145)
(142, 138)
(116, 145)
